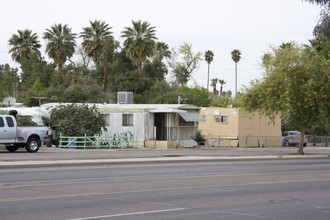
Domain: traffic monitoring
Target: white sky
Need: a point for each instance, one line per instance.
(251, 26)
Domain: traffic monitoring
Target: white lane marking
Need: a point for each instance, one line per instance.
(128, 214)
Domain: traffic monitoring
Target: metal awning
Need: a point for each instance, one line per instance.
(191, 116)
(167, 110)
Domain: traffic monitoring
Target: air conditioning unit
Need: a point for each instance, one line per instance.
(125, 97)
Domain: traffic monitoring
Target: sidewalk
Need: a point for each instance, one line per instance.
(51, 157)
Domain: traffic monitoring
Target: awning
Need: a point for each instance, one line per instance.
(167, 110)
(191, 116)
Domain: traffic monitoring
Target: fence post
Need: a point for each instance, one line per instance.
(60, 141)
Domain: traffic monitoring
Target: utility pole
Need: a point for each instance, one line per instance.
(106, 66)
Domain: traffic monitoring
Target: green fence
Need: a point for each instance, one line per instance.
(113, 141)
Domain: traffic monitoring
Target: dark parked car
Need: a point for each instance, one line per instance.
(292, 138)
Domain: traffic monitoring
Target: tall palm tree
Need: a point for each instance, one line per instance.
(139, 43)
(214, 83)
(161, 50)
(222, 82)
(23, 44)
(236, 56)
(208, 58)
(60, 43)
(94, 38)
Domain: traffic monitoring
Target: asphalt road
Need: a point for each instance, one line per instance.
(281, 189)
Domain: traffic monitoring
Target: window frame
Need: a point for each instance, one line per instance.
(126, 122)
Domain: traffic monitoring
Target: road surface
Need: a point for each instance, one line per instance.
(275, 189)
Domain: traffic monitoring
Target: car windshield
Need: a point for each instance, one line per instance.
(294, 133)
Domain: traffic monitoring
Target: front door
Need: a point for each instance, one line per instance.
(159, 123)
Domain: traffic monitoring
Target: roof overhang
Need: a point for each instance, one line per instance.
(191, 116)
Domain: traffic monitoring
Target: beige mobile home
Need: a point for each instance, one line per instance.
(225, 127)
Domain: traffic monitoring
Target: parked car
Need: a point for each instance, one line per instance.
(13, 136)
(292, 138)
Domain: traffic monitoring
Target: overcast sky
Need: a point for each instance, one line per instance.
(252, 26)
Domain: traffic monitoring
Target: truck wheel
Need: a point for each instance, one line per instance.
(33, 144)
(11, 148)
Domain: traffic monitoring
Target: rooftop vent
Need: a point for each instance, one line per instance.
(125, 97)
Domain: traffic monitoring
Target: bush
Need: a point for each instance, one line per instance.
(198, 137)
(77, 120)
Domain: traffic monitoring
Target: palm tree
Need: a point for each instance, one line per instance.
(214, 83)
(236, 56)
(208, 58)
(61, 43)
(23, 44)
(139, 42)
(222, 82)
(161, 50)
(94, 38)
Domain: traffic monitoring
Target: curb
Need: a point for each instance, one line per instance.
(181, 159)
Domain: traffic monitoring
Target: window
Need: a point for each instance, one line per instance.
(183, 122)
(127, 120)
(224, 119)
(221, 118)
(10, 122)
(2, 123)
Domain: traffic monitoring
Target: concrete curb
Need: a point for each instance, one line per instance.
(106, 162)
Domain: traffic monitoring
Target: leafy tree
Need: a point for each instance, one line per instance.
(23, 44)
(35, 67)
(77, 120)
(236, 56)
(9, 82)
(60, 43)
(214, 83)
(139, 42)
(296, 87)
(94, 39)
(184, 62)
(208, 58)
(161, 50)
(222, 82)
(195, 96)
(325, 3)
(37, 85)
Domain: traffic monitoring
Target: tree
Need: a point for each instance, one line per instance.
(162, 50)
(184, 62)
(77, 120)
(23, 44)
(208, 58)
(60, 43)
(214, 83)
(296, 87)
(9, 82)
(94, 38)
(222, 82)
(139, 42)
(236, 56)
(195, 96)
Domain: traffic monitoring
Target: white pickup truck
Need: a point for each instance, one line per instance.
(13, 136)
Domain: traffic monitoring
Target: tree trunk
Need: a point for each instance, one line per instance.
(140, 68)
(235, 79)
(208, 77)
(106, 67)
(221, 91)
(301, 142)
